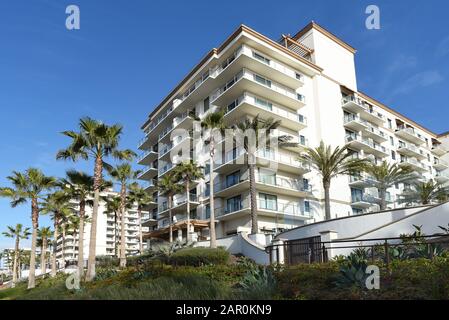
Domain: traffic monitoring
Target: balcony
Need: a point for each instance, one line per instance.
(409, 134)
(150, 186)
(362, 181)
(282, 161)
(375, 134)
(353, 104)
(439, 150)
(354, 122)
(414, 164)
(148, 174)
(411, 150)
(247, 80)
(147, 157)
(179, 143)
(266, 208)
(364, 201)
(249, 104)
(372, 115)
(283, 185)
(439, 164)
(366, 144)
(441, 177)
(180, 205)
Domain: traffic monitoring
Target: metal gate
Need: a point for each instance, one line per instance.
(307, 250)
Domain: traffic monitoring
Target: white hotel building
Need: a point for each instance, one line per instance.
(108, 234)
(308, 82)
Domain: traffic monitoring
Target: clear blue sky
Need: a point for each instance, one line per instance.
(129, 54)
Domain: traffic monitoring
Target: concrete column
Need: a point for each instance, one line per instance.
(277, 253)
(179, 234)
(327, 236)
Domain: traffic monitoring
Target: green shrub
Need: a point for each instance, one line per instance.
(199, 257)
(107, 262)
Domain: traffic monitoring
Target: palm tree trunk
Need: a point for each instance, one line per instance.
(63, 245)
(213, 236)
(383, 201)
(16, 262)
(253, 196)
(122, 227)
(43, 267)
(327, 201)
(98, 172)
(35, 218)
(170, 226)
(81, 240)
(139, 214)
(55, 245)
(188, 210)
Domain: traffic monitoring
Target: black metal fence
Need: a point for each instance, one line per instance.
(313, 250)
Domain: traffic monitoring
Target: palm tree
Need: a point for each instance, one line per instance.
(113, 207)
(425, 193)
(56, 204)
(331, 163)
(261, 131)
(29, 186)
(188, 172)
(44, 235)
(214, 123)
(142, 199)
(17, 232)
(97, 141)
(79, 187)
(387, 175)
(168, 187)
(123, 174)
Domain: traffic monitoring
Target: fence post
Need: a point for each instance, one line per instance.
(327, 237)
(278, 257)
(387, 255)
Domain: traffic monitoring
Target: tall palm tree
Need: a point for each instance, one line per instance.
(214, 124)
(79, 187)
(18, 233)
(44, 234)
(188, 172)
(123, 174)
(425, 193)
(331, 163)
(387, 175)
(260, 132)
(112, 206)
(137, 195)
(96, 141)
(168, 187)
(29, 186)
(56, 204)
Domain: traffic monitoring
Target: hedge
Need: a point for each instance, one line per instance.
(200, 256)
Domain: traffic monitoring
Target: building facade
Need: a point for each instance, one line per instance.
(308, 82)
(108, 234)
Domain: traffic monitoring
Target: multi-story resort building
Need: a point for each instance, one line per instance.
(108, 234)
(308, 82)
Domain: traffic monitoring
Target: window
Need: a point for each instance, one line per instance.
(207, 169)
(234, 204)
(207, 213)
(268, 201)
(267, 177)
(356, 211)
(356, 195)
(393, 155)
(232, 179)
(206, 104)
(298, 76)
(428, 157)
(392, 141)
(302, 140)
(262, 80)
(396, 185)
(306, 206)
(390, 124)
(263, 103)
(261, 58)
(305, 183)
(207, 191)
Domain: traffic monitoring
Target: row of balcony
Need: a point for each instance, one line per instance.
(264, 207)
